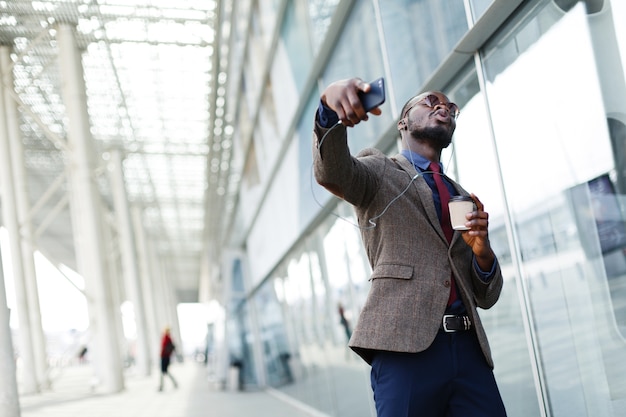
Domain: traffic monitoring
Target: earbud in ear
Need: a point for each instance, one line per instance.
(402, 124)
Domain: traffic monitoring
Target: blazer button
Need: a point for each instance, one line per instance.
(446, 283)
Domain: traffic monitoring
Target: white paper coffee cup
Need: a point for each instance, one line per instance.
(459, 206)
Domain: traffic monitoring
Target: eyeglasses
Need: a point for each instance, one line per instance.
(433, 101)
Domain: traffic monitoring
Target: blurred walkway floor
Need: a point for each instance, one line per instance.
(71, 396)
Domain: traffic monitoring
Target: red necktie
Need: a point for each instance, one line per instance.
(444, 197)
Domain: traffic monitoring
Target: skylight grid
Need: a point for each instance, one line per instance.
(148, 72)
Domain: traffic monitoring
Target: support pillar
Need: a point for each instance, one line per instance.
(87, 218)
(170, 299)
(130, 269)
(9, 398)
(28, 377)
(145, 278)
(163, 310)
(25, 225)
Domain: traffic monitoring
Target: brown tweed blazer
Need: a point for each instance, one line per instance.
(410, 257)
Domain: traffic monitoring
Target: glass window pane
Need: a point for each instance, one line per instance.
(316, 287)
(294, 43)
(357, 52)
(277, 351)
(479, 7)
(558, 163)
(320, 15)
(418, 36)
(349, 60)
(292, 62)
(472, 161)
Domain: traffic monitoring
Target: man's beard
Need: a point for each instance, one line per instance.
(438, 135)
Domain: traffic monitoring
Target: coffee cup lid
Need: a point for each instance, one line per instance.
(461, 198)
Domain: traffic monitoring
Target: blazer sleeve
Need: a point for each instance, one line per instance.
(353, 179)
(487, 293)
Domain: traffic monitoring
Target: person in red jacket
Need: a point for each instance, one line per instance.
(167, 348)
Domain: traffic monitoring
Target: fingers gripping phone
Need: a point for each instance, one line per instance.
(375, 97)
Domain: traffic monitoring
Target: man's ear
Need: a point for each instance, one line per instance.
(402, 124)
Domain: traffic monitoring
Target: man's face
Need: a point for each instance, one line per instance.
(431, 117)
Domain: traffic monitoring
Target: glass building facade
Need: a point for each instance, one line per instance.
(541, 140)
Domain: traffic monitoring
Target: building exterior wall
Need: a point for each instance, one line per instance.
(541, 140)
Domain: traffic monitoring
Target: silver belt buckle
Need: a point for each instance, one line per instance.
(445, 325)
(467, 324)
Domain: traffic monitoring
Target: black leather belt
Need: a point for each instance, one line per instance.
(452, 323)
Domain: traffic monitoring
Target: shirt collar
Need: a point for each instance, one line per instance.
(418, 160)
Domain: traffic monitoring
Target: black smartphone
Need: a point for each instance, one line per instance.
(375, 97)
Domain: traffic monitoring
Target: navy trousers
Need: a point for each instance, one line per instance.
(449, 379)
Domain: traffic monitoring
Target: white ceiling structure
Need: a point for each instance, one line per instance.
(155, 91)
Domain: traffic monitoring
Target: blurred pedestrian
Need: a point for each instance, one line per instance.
(167, 349)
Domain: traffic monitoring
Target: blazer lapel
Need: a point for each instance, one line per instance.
(424, 193)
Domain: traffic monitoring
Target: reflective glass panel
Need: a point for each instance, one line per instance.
(359, 34)
(560, 165)
(418, 37)
(472, 161)
(479, 7)
(316, 290)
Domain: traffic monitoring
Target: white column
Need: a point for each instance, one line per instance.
(153, 330)
(116, 285)
(9, 399)
(87, 219)
(163, 293)
(169, 296)
(130, 269)
(173, 303)
(26, 228)
(28, 377)
(163, 308)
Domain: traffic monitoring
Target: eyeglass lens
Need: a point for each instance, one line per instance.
(432, 100)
